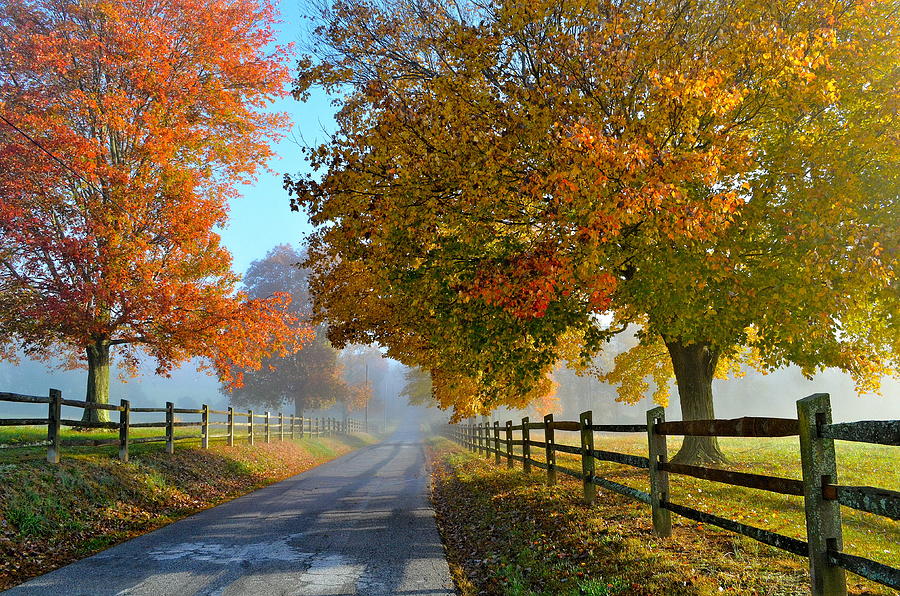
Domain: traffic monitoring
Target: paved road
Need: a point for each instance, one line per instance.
(360, 524)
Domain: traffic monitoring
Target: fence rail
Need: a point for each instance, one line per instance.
(822, 496)
(286, 426)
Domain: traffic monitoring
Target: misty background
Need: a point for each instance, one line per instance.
(755, 394)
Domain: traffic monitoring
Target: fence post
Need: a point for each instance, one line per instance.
(230, 426)
(659, 480)
(170, 427)
(54, 414)
(823, 518)
(267, 426)
(526, 446)
(250, 427)
(302, 425)
(293, 427)
(317, 426)
(280, 426)
(550, 449)
(587, 456)
(509, 446)
(204, 427)
(124, 416)
(497, 442)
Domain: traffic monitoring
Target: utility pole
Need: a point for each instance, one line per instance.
(366, 427)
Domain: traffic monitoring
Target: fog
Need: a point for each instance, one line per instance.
(189, 388)
(773, 395)
(755, 394)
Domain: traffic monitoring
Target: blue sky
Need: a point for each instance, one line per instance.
(261, 218)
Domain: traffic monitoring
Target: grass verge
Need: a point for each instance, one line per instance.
(51, 515)
(507, 533)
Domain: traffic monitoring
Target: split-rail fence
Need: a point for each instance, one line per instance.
(822, 494)
(238, 426)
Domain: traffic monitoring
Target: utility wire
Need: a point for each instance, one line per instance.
(50, 153)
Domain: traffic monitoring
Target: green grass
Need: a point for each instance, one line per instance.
(859, 464)
(703, 556)
(29, 443)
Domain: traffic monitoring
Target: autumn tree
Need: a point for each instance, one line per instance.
(507, 176)
(125, 127)
(309, 379)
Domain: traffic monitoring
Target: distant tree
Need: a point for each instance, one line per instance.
(309, 379)
(125, 127)
(417, 387)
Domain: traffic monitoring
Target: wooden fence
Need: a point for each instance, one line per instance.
(822, 495)
(237, 425)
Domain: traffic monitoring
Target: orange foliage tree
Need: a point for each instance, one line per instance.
(507, 175)
(126, 126)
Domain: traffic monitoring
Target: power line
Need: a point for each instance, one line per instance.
(49, 153)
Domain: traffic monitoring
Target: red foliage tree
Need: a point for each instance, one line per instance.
(126, 126)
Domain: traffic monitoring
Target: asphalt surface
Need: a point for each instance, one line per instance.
(358, 525)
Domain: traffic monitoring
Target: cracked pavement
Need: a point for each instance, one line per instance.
(358, 525)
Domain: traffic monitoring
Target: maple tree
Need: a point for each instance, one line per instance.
(311, 378)
(126, 127)
(505, 175)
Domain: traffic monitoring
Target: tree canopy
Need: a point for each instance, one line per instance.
(125, 127)
(507, 175)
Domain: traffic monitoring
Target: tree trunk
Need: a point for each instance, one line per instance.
(695, 365)
(98, 381)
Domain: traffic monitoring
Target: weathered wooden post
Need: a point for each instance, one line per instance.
(250, 427)
(497, 442)
(526, 445)
(204, 427)
(124, 416)
(659, 480)
(293, 427)
(823, 518)
(54, 415)
(302, 424)
(266, 423)
(317, 426)
(587, 456)
(509, 445)
(549, 439)
(170, 427)
(280, 426)
(230, 426)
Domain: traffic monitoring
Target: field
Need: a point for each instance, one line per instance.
(697, 560)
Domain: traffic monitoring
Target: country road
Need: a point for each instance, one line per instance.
(361, 524)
